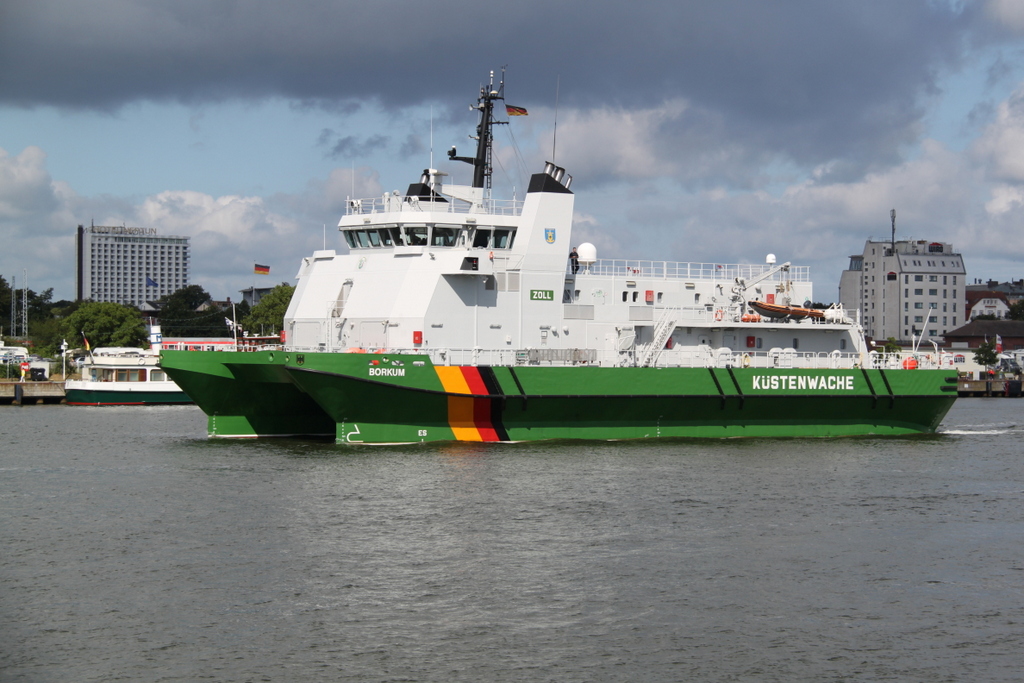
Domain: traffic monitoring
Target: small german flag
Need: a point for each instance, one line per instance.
(261, 270)
(515, 111)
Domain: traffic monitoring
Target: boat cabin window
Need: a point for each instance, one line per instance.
(131, 375)
(416, 237)
(157, 376)
(350, 239)
(481, 238)
(395, 235)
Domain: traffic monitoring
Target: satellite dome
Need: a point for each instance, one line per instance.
(587, 253)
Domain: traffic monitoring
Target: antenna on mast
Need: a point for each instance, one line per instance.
(489, 94)
(892, 216)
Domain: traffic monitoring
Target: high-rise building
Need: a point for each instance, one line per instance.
(129, 265)
(906, 289)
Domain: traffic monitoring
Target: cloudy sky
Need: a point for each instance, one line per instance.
(695, 131)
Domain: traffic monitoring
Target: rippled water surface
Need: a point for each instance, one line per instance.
(132, 548)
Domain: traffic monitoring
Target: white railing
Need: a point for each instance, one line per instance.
(389, 202)
(672, 270)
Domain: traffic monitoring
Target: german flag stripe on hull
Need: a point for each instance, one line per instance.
(474, 403)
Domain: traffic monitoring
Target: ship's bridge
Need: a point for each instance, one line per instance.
(437, 235)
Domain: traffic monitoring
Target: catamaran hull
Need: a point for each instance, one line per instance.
(384, 398)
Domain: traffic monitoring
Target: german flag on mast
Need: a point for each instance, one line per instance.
(515, 111)
(261, 270)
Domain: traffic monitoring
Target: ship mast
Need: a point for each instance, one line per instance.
(482, 161)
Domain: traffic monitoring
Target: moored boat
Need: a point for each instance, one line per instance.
(455, 316)
(123, 376)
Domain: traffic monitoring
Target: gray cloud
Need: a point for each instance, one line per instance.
(813, 80)
(350, 146)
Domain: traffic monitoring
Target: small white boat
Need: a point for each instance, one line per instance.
(123, 376)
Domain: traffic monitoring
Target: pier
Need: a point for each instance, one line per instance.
(31, 393)
(988, 387)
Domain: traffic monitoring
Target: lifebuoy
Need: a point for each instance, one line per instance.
(746, 360)
(719, 314)
(491, 256)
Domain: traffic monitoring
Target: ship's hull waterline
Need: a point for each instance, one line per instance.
(370, 398)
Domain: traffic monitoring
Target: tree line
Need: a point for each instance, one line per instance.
(188, 312)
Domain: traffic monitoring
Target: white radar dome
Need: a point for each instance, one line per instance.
(770, 259)
(587, 253)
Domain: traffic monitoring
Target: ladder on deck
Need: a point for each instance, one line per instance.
(662, 331)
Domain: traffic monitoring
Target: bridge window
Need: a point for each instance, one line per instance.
(417, 236)
(444, 237)
(503, 239)
(481, 238)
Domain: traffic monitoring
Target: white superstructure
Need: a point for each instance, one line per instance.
(445, 270)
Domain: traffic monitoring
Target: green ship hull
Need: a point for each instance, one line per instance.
(403, 398)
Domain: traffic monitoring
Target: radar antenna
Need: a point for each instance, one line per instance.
(482, 161)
